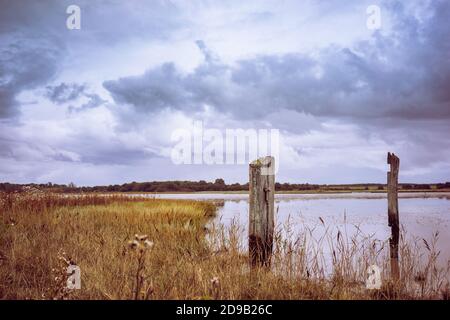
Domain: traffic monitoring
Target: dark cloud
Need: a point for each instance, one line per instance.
(94, 100)
(30, 49)
(64, 92)
(70, 92)
(392, 87)
(25, 65)
(34, 39)
(404, 75)
(31, 17)
(157, 89)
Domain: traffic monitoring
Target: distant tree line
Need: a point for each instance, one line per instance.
(217, 185)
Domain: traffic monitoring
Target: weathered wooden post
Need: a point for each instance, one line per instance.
(393, 219)
(261, 212)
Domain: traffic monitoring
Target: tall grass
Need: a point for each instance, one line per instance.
(135, 248)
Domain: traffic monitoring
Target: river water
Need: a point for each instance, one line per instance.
(422, 215)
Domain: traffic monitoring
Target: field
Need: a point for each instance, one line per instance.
(135, 248)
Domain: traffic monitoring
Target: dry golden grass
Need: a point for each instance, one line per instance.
(135, 248)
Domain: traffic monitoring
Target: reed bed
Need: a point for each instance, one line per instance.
(136, 248)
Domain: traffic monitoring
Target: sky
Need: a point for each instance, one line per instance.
(99, 105)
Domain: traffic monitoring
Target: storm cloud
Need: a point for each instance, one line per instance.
(35, 41)
(23, 67)
(404, 75)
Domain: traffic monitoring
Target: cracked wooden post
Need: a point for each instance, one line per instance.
(393, 219)
(261, 212)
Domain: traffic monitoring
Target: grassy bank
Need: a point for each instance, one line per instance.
(133, 248)
(41, 233)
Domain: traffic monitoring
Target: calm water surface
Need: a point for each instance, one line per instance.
(421, 214)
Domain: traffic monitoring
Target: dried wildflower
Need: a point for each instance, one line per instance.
(215, 281)
(133, 244)
(142, 244)
(141, 237)
(148, 244)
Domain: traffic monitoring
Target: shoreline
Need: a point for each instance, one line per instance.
(287, 196)
(443, 192)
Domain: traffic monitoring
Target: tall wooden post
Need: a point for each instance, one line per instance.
(261, 212)
(393, 219)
